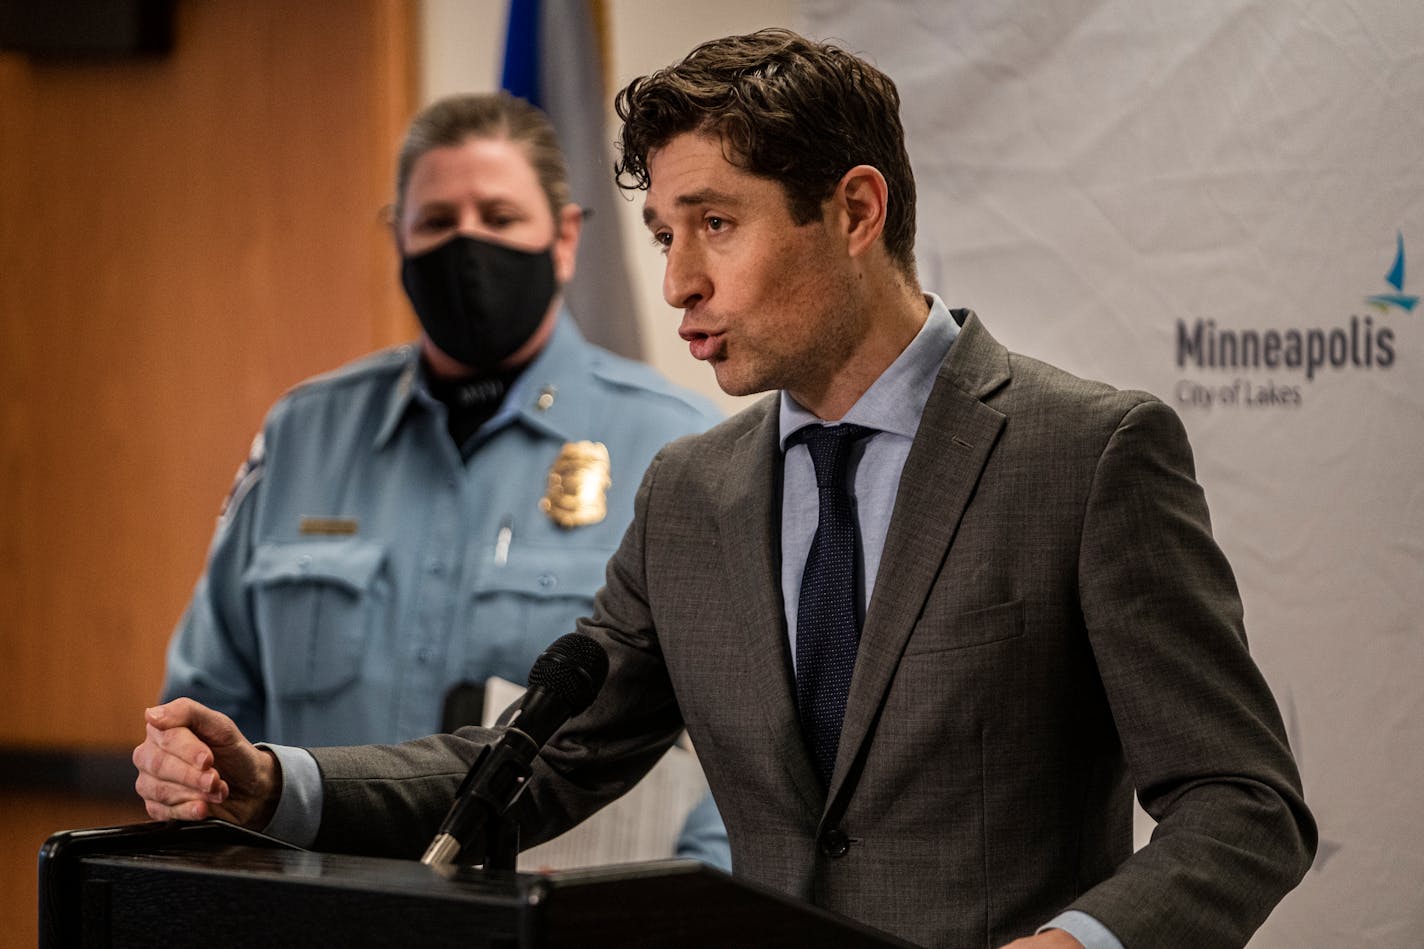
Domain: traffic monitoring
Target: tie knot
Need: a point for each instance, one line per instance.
(828, 445)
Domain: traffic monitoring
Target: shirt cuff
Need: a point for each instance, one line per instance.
(298, 815)
(1084, 928)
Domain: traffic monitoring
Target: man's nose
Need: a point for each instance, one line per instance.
(685, 280)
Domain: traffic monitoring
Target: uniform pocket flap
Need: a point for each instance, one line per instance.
(546, 572)
(350, 562)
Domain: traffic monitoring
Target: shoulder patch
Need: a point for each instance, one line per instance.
(247, 475)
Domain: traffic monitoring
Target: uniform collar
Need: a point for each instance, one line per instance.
(402, 395)
(552, 396)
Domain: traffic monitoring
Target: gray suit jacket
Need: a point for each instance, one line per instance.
(1051, 626)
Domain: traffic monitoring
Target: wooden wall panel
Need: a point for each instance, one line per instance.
(181, 239)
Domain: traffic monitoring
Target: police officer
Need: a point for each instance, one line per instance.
(436, 513)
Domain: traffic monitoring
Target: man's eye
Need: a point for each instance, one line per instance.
(662, 239)
(715, 223)
(435, 224)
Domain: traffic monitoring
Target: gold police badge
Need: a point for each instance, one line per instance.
(578, 485)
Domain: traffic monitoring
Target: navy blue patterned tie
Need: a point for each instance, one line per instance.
(827, 618)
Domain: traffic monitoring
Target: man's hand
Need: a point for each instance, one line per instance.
(196, 764)
(1048, 939)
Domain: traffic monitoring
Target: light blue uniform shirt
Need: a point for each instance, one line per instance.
(361, 569)
(892, 406)
(366, 569)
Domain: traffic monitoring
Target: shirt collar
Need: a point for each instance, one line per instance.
(896, 400)
(536, 398)
(550, 395)
(402, 395)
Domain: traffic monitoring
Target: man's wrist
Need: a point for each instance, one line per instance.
(269, 781)
(297, 801)
(1087, 930)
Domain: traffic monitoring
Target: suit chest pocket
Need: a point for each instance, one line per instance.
(940, 630)
(315, 603)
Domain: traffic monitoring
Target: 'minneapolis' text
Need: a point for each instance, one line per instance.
(1360, 345)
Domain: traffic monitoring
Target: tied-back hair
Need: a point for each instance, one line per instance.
(456, 119)
(798, 112)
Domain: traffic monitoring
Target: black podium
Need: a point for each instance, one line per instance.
(214, 885)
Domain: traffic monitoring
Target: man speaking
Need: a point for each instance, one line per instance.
(930, 612)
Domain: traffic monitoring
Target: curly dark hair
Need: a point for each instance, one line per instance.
(798, 112)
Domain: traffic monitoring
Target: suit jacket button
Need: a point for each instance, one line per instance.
(835, 843)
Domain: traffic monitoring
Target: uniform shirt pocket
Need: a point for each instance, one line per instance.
(523, 604)
(315, 604)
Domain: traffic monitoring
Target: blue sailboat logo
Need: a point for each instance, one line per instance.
(1395, 278)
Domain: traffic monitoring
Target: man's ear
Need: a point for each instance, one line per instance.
(863, 197)
(566, 237)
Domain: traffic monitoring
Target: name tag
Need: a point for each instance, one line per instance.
(329, 526)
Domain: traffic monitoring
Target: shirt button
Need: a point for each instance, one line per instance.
(423, 654)
(835, 843)
(435, 567)
(304, 563)
(547, 580)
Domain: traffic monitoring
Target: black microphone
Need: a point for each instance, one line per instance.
(562, 683)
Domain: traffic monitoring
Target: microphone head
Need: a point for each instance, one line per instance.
(572, 669)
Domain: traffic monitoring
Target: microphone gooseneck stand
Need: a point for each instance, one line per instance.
(563, 682)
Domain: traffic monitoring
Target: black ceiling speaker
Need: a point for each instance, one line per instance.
(85, 28)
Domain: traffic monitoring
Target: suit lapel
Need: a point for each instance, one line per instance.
(750, 530)
(956, 436)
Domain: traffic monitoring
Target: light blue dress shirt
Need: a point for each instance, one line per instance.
(892, 406)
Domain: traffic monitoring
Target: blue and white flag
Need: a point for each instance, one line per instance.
(553, 58)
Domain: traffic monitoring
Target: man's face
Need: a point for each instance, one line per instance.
(767, 302)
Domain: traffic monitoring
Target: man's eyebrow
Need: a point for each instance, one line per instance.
(695, 199)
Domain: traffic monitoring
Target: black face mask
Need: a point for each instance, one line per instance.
(479, 301)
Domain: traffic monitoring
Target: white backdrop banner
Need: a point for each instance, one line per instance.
(1222, 202)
